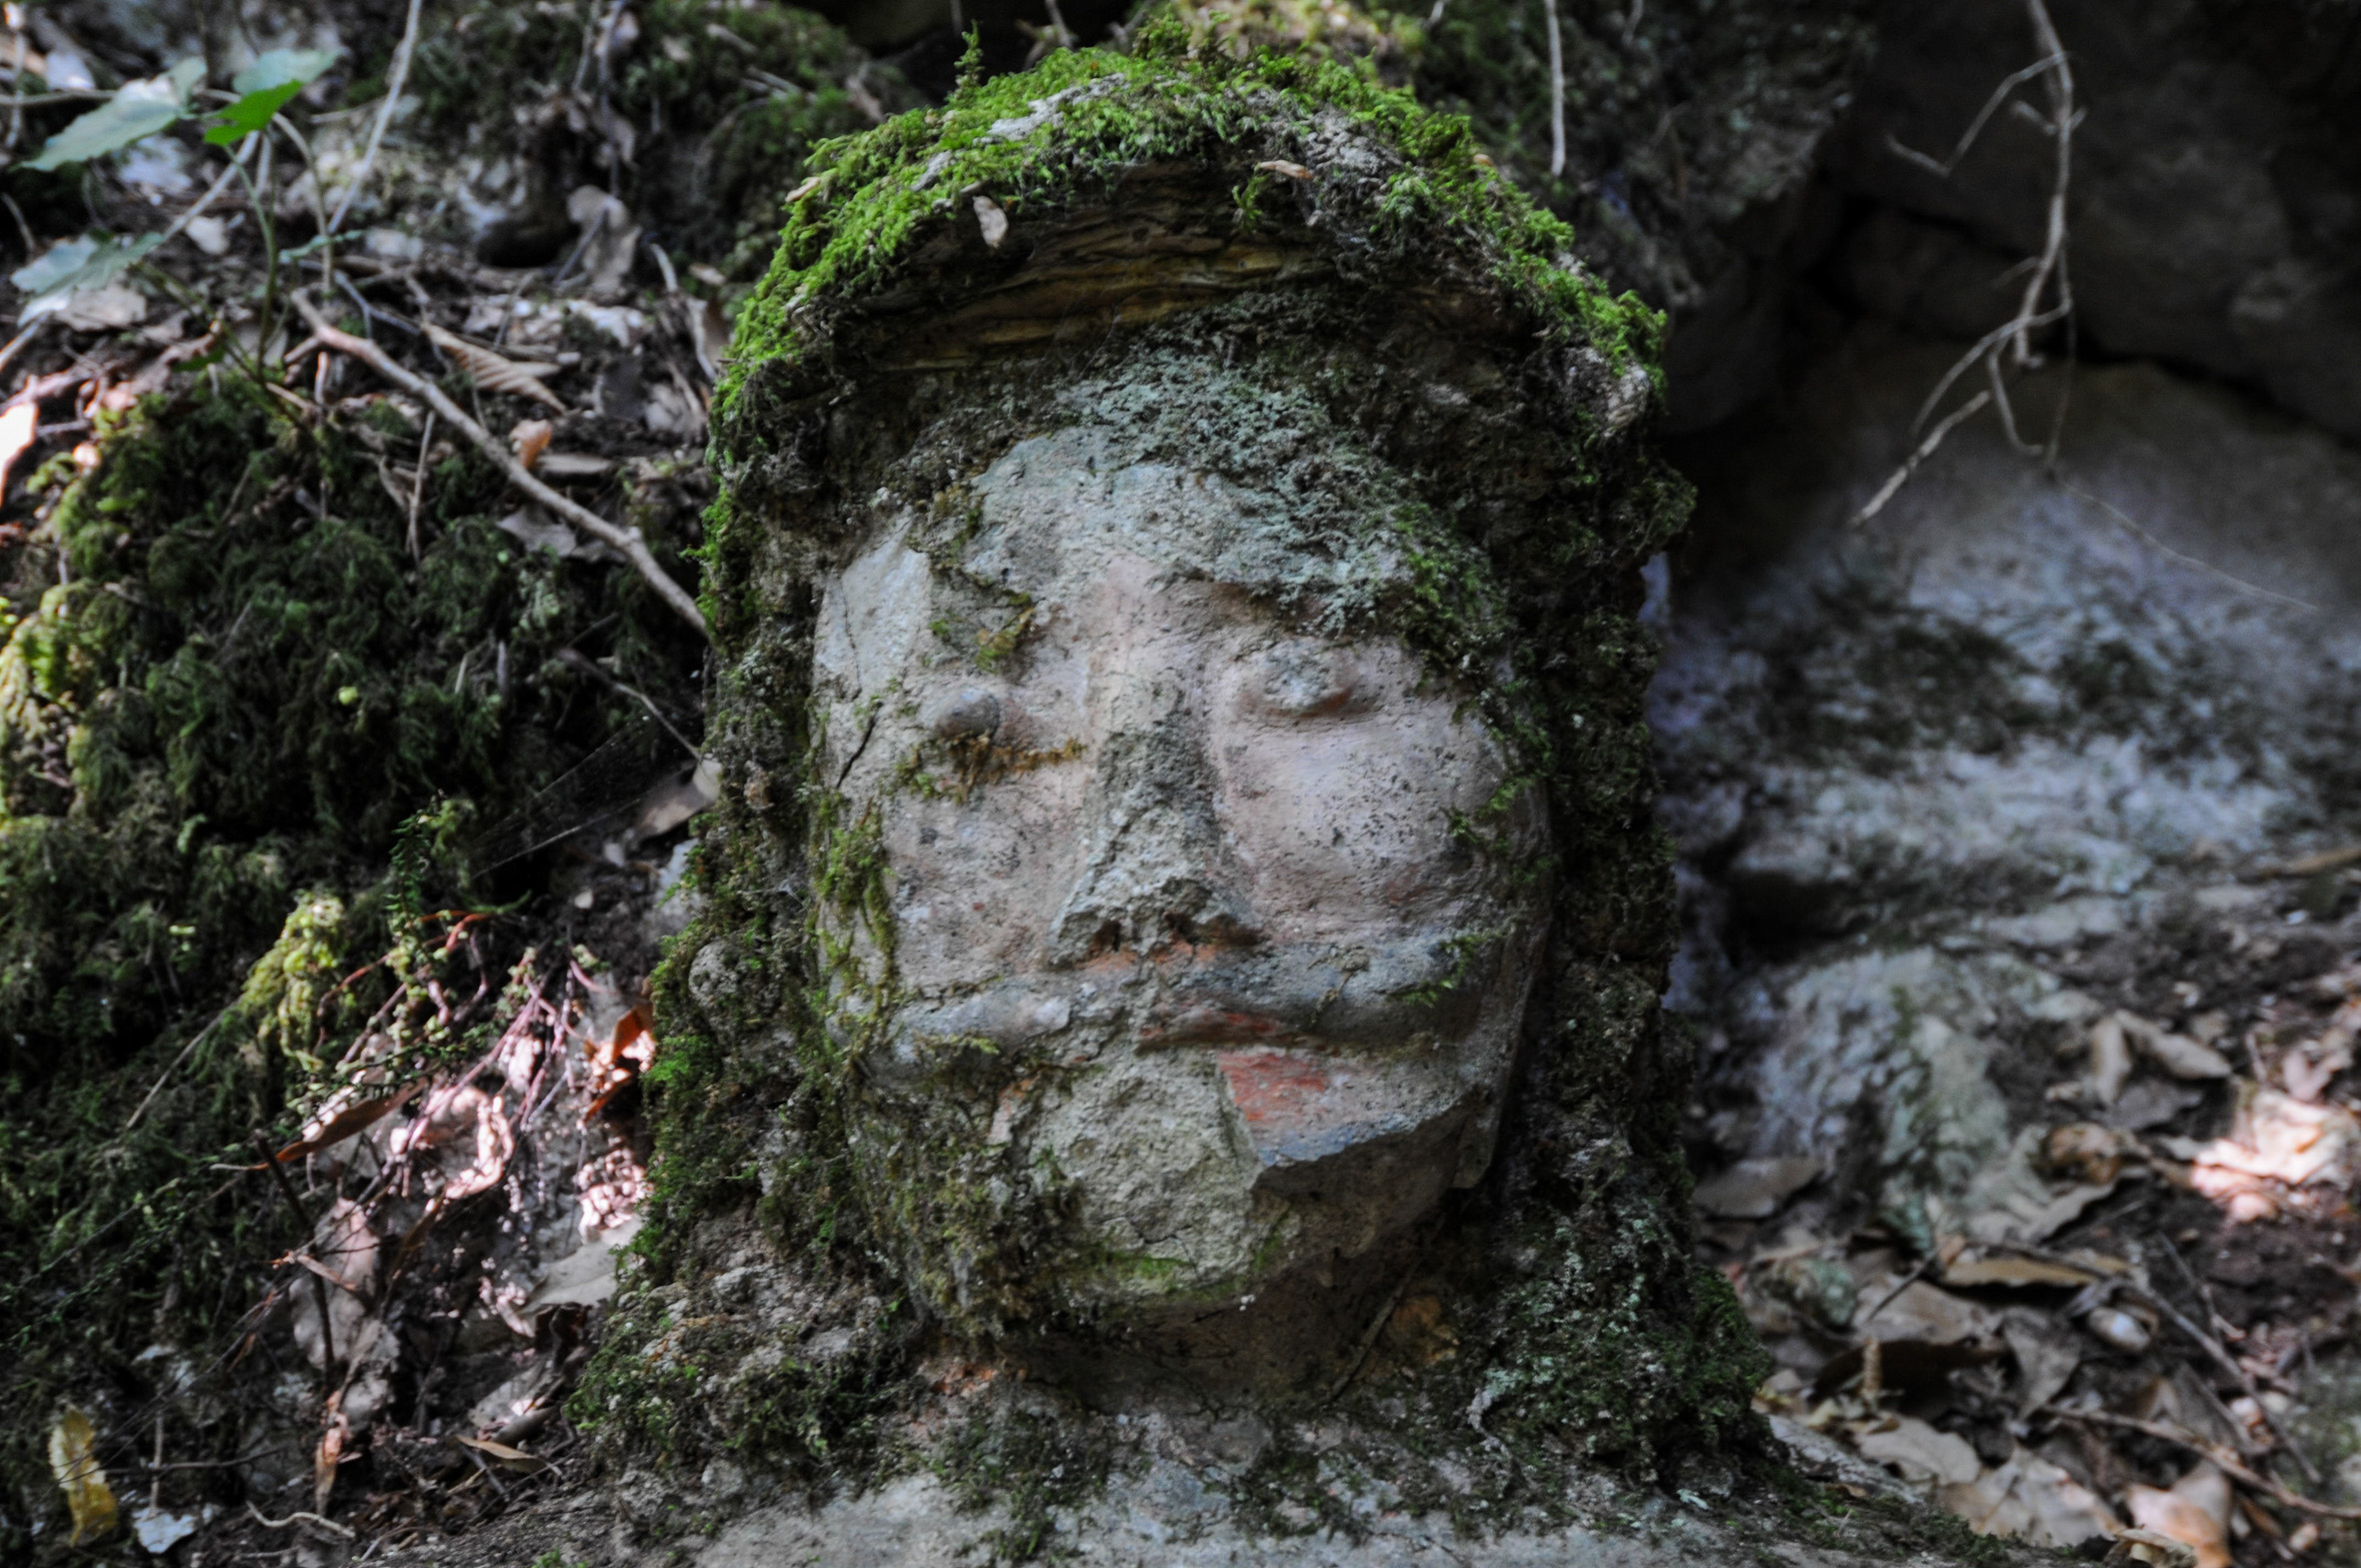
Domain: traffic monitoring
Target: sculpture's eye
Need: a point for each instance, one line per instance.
(1303, 680)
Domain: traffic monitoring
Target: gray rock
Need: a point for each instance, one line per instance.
(2015, 718)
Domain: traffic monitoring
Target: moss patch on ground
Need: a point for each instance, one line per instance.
(253, 731)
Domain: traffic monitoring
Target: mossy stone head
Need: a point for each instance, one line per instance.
(1176, 589)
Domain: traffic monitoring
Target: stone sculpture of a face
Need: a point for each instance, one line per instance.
(1233, 922)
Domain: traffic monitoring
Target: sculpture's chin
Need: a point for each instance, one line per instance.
(1204, 1174)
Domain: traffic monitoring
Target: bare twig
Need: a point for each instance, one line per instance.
(1924, 450)
(294, 1520)
(2212, 1346)
(626, 541)
(426, 443)
(194, 1041)
(2170, 554)
(2047, 297)
(2213, 1453)
(319, 1286)
(393, 96)
(1556, 93)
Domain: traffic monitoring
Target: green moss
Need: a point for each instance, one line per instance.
(213, 732)
(1028, 1464)
(1060, 135)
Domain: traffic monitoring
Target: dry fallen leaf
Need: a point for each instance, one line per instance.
(2087, 1151)
(1755, 1189)
(2013, 1201)
(495, 371)
(1921, 1311)
(1919, 1452)
(1970, 1274)
(2033, 1500)
(2046, 1351)
(510, 1458)
(343, 1124)
(2177, 1054)
(2197, 1513)
(2110, 1060)
(73, 1459)
(2146, 1546)
(528, 439)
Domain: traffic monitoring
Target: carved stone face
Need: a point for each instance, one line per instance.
(1213, 926)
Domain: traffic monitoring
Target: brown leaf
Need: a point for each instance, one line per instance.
(528, 439)
(1920, 1452)
(1972, 1272)
(510, 1458)
(495, 371)
(2197, 1513)
(344, 1124)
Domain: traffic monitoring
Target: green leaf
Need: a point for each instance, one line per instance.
(302, 67)
(251, 113)
(140, 109)
(77, 267)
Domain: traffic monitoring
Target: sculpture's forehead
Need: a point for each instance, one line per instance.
(1054, 507)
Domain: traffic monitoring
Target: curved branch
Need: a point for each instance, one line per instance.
(624, 539)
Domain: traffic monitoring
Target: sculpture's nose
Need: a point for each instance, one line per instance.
(1156, 866)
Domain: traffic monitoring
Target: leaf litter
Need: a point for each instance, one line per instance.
(2108, 1344)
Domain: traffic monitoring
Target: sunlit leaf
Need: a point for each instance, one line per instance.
(284, 67)
(78, 266)
(251, 113)
(139, 110)
(73, 1459)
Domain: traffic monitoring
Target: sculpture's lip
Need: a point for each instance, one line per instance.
(1322, 996)
(1209, 1024)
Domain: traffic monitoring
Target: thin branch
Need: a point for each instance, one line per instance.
(626, 541)
(1925, 449)
(393, 96)
(2213, 1453)
(2046, 275)
(1556, 93)
(194, 1041)
(319, 1287)
(2170, 554)
(292, 1519)
(1941, 168)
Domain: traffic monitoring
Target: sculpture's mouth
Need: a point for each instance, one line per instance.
(1363, 999)
(1362, 996)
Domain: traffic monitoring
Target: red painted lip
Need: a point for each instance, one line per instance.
(1274, 1089)
(1205, 1024)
